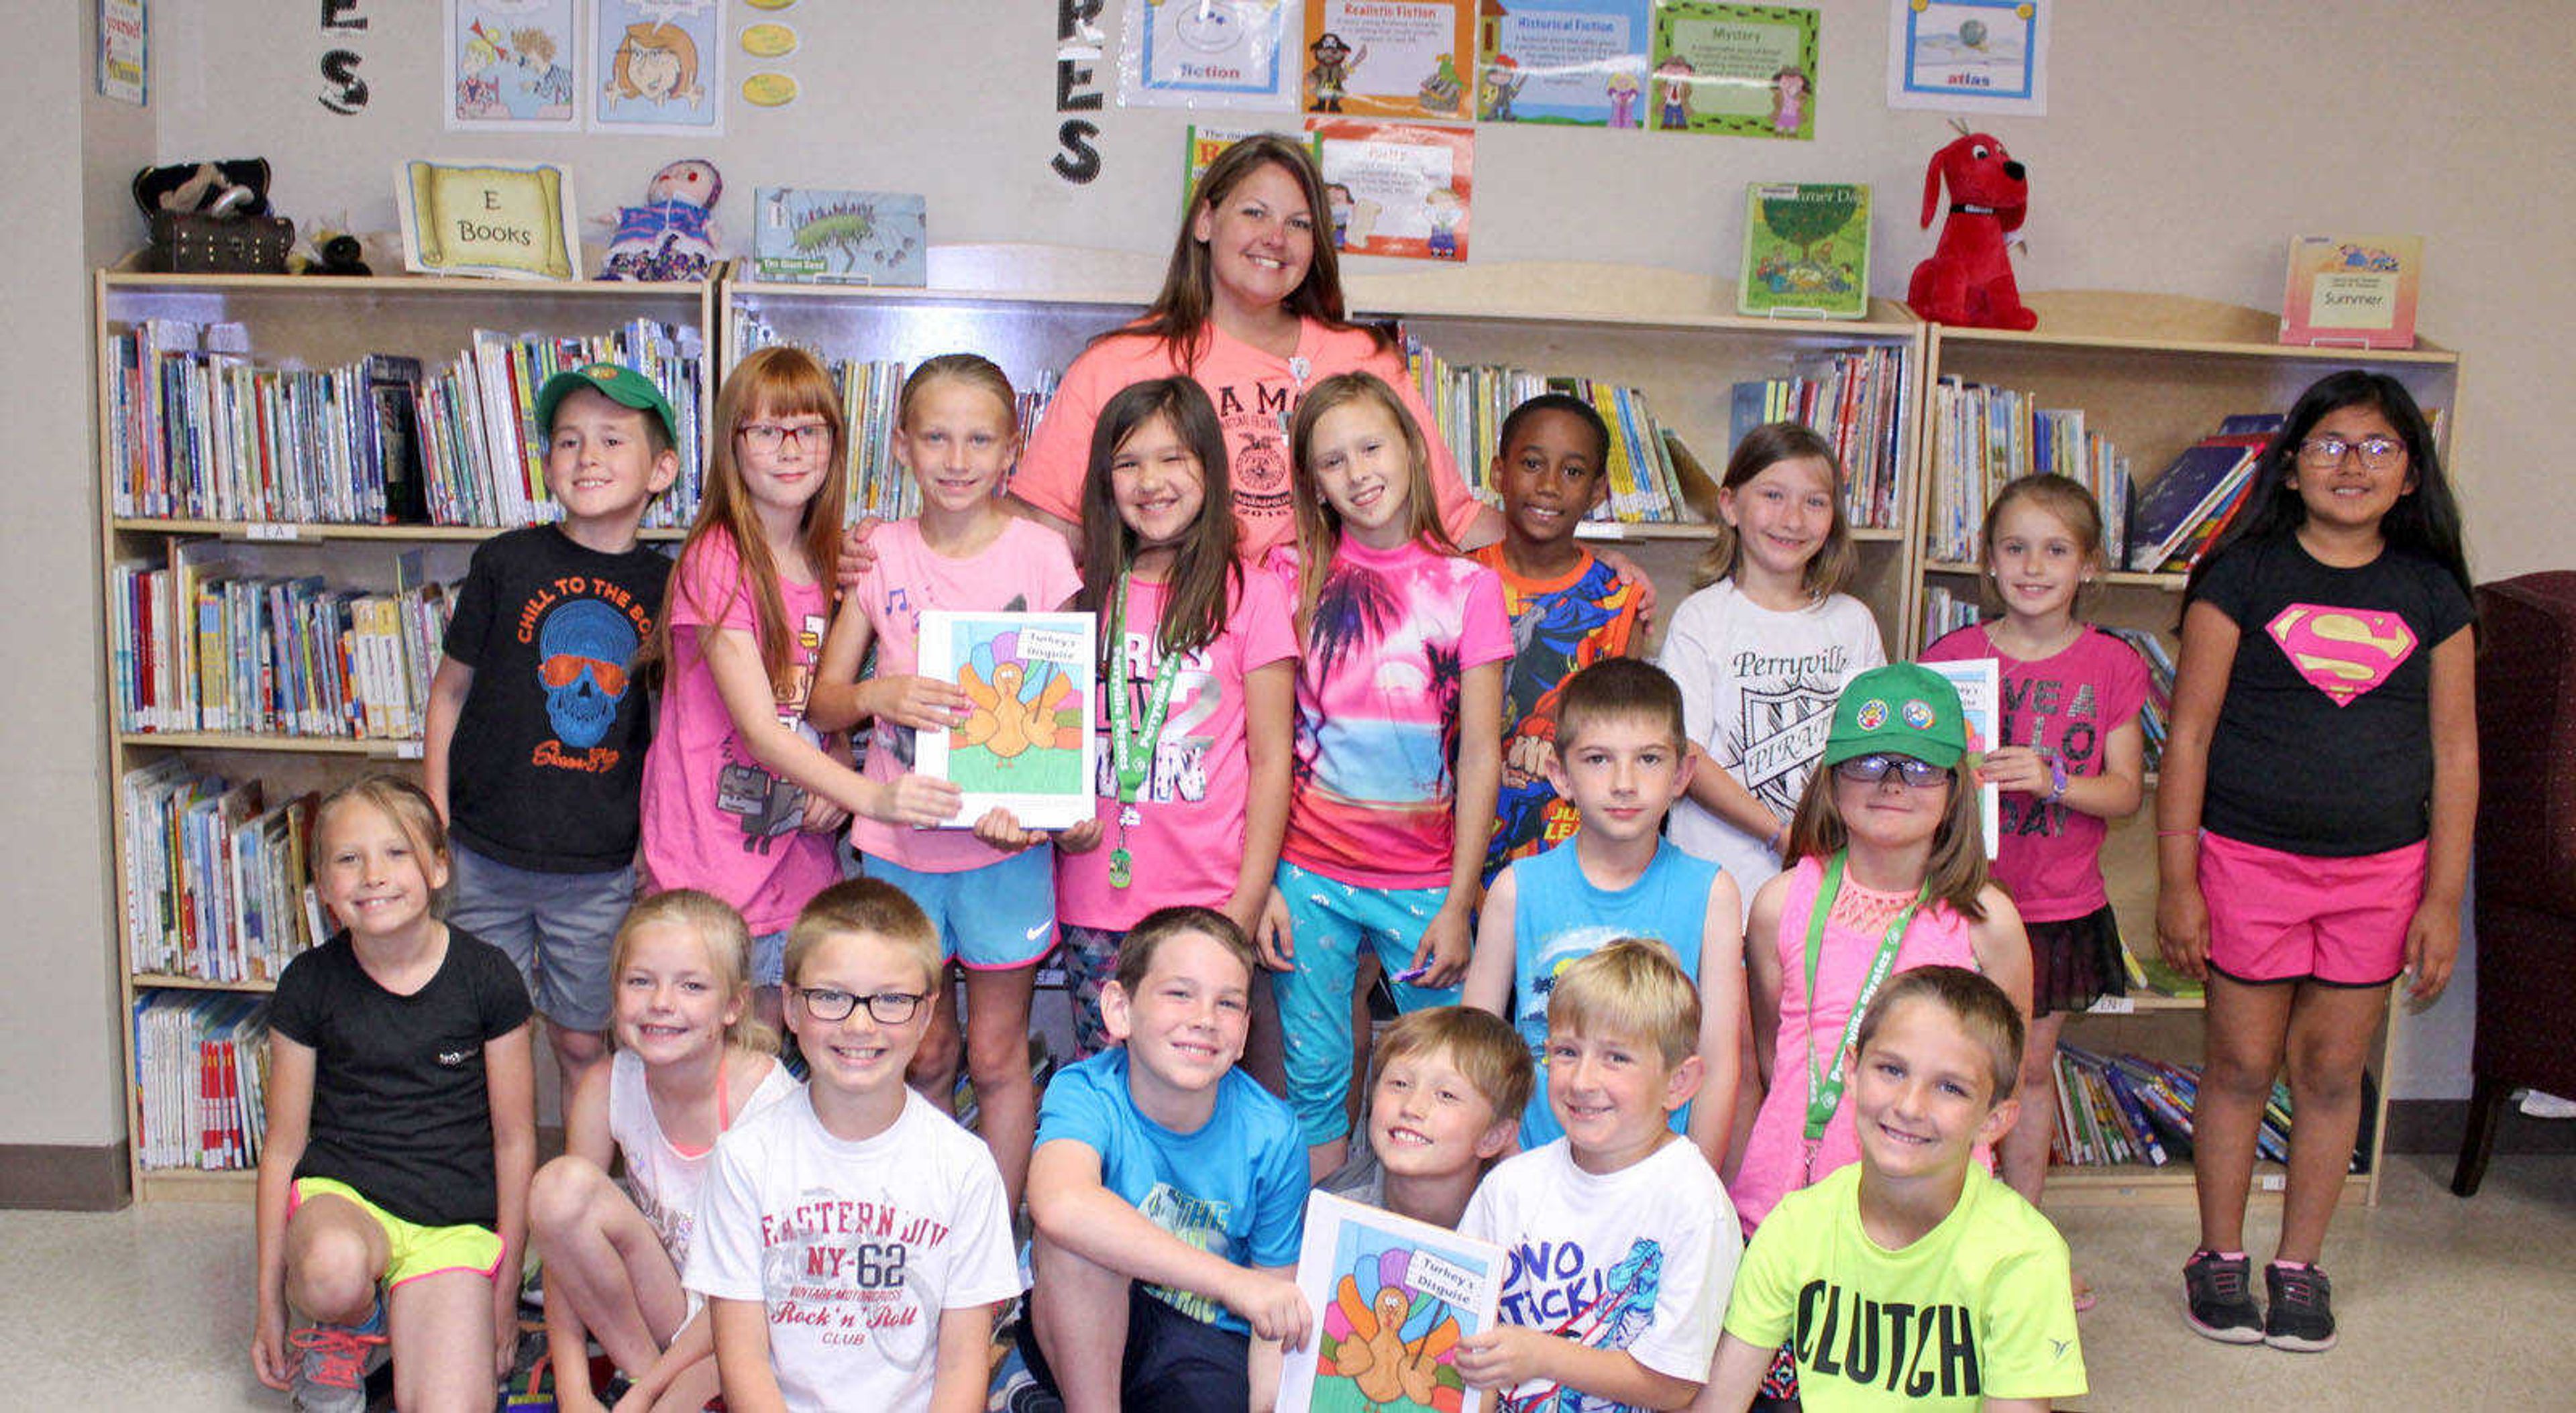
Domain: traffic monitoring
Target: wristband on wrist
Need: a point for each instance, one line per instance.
(1778, 837)
(2057, 780)
(2177, 833)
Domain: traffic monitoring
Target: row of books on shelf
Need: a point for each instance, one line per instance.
(214, 878)
(197, 430)
(208, 643)
(1982, 437)
(870, 390)
(2129, 1109)
(200, 1076)
(2180, 513)
(1855, 399)
(1647, 462)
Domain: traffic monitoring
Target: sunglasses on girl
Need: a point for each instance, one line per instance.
(1874, 769)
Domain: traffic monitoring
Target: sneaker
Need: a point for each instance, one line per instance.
(2302, 1315)
(331, 1377)
(2218, 1293)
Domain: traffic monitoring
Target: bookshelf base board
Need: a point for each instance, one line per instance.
(193, 1185)
(63, 1177)
(2170, 1187)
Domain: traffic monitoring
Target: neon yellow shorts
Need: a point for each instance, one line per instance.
(412, 1250)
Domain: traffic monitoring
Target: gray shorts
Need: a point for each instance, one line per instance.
(558, 928)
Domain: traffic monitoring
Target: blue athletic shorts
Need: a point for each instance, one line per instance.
(994, 918)
(1329, 921)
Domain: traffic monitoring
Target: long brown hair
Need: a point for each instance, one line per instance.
(1179, 314)
(1956, 871)
(1205, 572)
(1765, 446)
(778, 381)
(1319, 526)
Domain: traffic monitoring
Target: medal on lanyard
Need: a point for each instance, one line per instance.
(1825, 1087)
(1131, 752)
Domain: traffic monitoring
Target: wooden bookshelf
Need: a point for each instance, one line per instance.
(2155, 373)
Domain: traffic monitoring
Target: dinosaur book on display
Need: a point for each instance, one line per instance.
(1027, 742)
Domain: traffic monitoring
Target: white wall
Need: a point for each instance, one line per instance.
(2186, 142)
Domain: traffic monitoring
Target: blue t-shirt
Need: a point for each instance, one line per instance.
(1559, 916)
(1235, 1187)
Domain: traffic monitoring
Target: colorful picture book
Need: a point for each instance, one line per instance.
(1806, 250)
(2182, 510)
(2352, 291)
(1027, 744)
(1980, 684)
(1395, 1297)
(808, 235)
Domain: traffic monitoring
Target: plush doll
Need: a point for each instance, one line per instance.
(1969, 279)
(673, 235)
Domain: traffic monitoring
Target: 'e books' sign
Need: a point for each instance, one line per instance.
(488, 219)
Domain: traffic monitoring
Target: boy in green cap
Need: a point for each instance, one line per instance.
(534, 750)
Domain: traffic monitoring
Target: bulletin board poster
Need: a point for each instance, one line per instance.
(1579, 63)
(1389, 58)
(659, 66)
(1210, 54)
(506, 219)
(1969, 56)
(1743, 70)
(510, 66)
(1401, 189)
(124, 63)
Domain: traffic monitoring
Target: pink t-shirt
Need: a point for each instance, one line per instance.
(714, 818)
(1187, 842)
(1254, 394)
(2066, 705)
(1775, 1153)
(1025, 568)
(1393, 635)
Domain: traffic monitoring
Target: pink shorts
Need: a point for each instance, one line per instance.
(2277, 916)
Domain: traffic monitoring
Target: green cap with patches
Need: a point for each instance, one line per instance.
(616, 382)
(1902, 709)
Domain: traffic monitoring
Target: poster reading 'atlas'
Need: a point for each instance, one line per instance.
(1026, 745)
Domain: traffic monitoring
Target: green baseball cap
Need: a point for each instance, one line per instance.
(1903, 709)
(614, 381)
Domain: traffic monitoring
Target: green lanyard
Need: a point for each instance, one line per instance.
(1131, 752)
(1825, 1090)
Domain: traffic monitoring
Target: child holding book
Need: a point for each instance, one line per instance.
(956, 430)
(533, 749)
(1168, 1191)
(852, 1241)
(402, 1126)
(2319, 790)
(1622, 760)
(1621, 1242)
(2070, 756)
(1447, 1092)
(1912, 1279)
(1568, 607)
(1399, 740)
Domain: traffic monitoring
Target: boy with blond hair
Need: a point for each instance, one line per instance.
(1913, 1279)
(852, 1241)
(1621, 760)
(1448, 1089)
(1621, 1244)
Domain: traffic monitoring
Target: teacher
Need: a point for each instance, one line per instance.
(1251, 310)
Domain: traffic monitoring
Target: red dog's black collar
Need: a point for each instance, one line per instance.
(1963, 209)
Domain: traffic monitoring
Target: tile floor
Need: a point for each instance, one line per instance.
(2443, 1304)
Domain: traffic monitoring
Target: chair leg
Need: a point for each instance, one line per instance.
(2477, 1141)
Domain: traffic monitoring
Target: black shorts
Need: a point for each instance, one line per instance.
(1172, 1364)
(2075, 962)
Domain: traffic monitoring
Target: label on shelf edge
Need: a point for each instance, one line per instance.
(271, 530)
(407, 750)
(2112, 1006)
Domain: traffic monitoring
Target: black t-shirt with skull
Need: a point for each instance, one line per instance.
(548, 756)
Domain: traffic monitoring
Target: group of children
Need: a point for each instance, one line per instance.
(1364, 760)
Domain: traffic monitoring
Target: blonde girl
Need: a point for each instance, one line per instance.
(2069, 756)
(1762, 651)
(690, 1063)
(1197, 670)
(393, 1183)
(989, 898)
(1399, 740)
(740, 796)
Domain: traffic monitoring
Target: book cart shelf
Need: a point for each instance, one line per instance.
(313, 322)
(2156, 373)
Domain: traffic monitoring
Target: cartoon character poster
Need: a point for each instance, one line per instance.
(1210, 54)
(1396, 1297)
(657, 66)
(1397, 188)
(510, 66)
(1743, 70)
(1389, 58)
(1571, 62)
(1027, 744)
